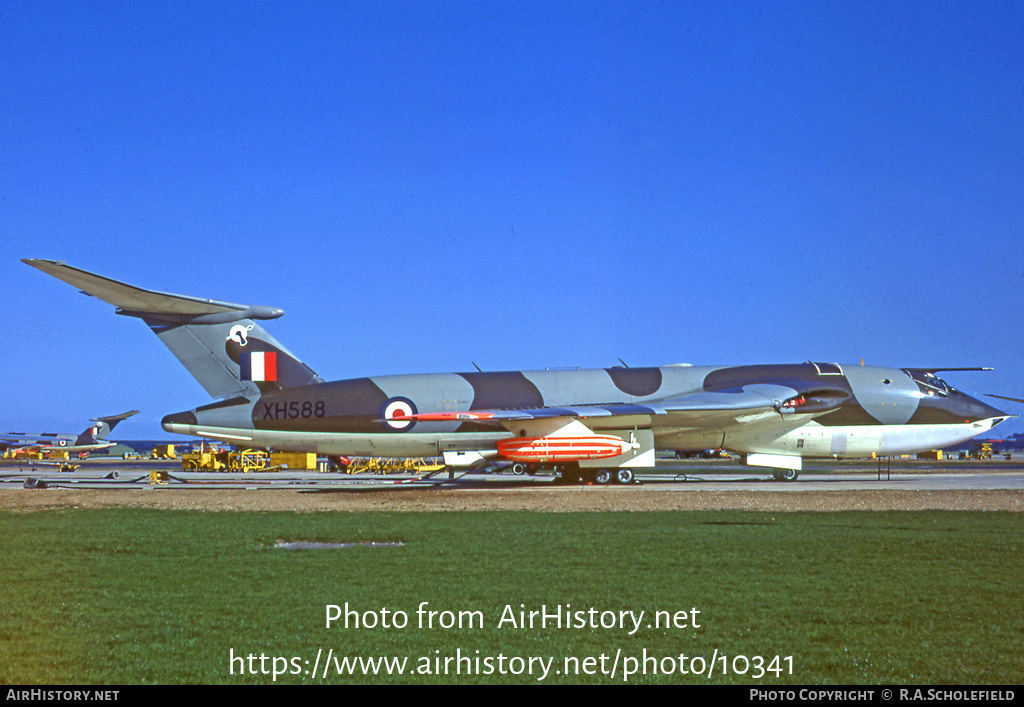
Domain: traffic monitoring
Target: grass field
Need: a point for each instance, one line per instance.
(143, 596)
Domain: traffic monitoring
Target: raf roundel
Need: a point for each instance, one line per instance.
(394, 410)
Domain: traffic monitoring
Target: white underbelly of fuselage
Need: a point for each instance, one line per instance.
(855, 441)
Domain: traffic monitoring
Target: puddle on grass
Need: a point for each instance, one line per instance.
(303, 545)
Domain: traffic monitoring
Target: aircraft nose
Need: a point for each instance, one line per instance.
(980, 410)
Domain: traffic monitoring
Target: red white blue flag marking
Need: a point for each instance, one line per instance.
(259, 366)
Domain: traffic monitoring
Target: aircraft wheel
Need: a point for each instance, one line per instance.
(519, 468)
(602, 477)
(624, 476)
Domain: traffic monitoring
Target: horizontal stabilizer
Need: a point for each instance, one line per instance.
(114, 419)
(139, 302)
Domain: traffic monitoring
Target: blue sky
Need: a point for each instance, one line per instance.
(424, 185)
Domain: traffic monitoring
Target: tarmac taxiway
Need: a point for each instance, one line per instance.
(708, 475)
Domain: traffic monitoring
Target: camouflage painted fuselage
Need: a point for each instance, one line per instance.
(847, 411)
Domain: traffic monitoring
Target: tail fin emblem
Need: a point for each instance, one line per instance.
(240, 334)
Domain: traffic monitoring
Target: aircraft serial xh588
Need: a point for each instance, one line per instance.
(90, 440)
(597, 424)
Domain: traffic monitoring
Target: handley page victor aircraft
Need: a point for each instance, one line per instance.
(592, 424)
(90, 440)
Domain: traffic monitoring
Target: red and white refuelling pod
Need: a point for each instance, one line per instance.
(562, 449)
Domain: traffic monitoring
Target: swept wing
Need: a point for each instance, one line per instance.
(697, 408)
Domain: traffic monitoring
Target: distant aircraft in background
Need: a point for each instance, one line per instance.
(595, 425)
(90, 440)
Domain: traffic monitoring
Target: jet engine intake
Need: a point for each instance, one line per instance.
(814, 401)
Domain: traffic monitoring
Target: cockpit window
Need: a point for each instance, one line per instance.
(930, 383)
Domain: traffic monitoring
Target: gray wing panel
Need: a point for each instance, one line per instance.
(702, 408)
(749, 397)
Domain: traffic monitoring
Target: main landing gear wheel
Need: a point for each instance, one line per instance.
(784, 474)
(624, 476)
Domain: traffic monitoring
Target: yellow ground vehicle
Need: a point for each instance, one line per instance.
(163, 451)
(204, 461)
(247, 460)
(982, 451)
(384, 465)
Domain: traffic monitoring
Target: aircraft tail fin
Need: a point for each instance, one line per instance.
(218, 342)
(102, 427)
